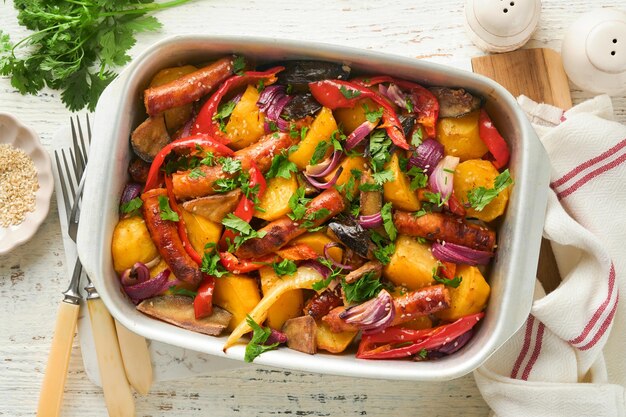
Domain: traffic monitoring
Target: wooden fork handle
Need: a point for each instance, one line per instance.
(53, 385)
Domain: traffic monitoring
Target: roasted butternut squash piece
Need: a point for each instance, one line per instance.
(317, 241)
(332, 342)
(351, 162)
(411, 265)
(131, 243)
(398, 191)
(201, 230)
(321, 130)
(288, 305)
(275, 201)
(459, 136)
(479, 173)
(237, 294)
(245, 125)
(469, 297)
(176, 117)
(351, 118)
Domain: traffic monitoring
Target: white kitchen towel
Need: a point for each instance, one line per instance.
(569, 358)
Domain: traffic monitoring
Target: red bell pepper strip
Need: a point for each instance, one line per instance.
(493, 140)
(424, 102)
(336, 94)
(297, 252)
(182, 229)
(242, 266)
(190, 142)
(245, 208)
(203, 301)
(204, 121)
(398, 342)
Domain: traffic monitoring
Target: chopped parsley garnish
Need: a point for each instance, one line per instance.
(436, 199)
(229, 165)
(370, 187)
(319, 153)
(224, 185)
(223, 111)
(281, 167)
(166, 211)
(321, 284)
(409, 105)
(454, 282)
(261, 86)
(384, 249)
(196, 173)
(303, 132)
(383, 176)
(365, 288)
(349, 93)
(132, 206)
(211, 262)
(417, 137)
(297, 204)
(208, 160)
(418, 177)
(285, 267)
(423, 353)
(256, 345)
(242, 227)
(478, 198)
(311, 218)
(181, 164)
(183, 291)
(334, 273)
(379, 149)
(373, 116)
(387, 216)
(239, 64)
(273, 127)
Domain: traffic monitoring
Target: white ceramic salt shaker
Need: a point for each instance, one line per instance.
(501, 25)
(594, 52)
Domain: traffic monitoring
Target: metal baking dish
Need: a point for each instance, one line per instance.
(512, 276)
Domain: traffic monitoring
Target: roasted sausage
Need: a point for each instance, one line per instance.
(413, 304)
(188, 88)
(164, 233)
(262, 153)
(320, 304)
(279, 232)
(445, 228)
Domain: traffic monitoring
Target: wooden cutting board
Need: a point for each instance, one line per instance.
(538, 74)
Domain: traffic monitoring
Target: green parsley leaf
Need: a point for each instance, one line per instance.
(321, 284)
(454, 282)
(319, 153)
(311, 218)
(229, 165)
(387, 216)
(409, 105)
(239, 64)
(223, 111)
(281, 167)
(423, 353)
(261, 86)
(383, 176)
(436, 199)
(132, 206)
(334, 273)
(418, 177)
(285, 267)
(256, 345)
(211, 262)
(417, 137)
(373, 116)
(166, 211)
(303, 133)
(370, 187)
(246, 232)
(479, 197)
(208, 160)
(384, 250)
(224, 185)
(363, 289)
(183, 291)
(196, 173)
(379, 149)
(349, 94)
(297, 204)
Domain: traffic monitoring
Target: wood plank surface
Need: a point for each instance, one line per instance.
(538, 74)
(33, 275)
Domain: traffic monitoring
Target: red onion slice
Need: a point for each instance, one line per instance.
(136, 275)
(325, 167)
(324, 185)
(373, 315)
(427, 155)
(330, 258)
(149, 288)
(458, 254)
(442, 177)
(272, 101)
(321, 269)
(360, 133)
(394, 94)
(371, 221)
(276, 337)
(131, 190)
(456, 344)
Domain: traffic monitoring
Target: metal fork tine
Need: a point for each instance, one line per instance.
(82, 141)
(70, 181)
(60, 171)
(88, 129)
(80, 163)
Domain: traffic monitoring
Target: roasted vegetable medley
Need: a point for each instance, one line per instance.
(310, 207)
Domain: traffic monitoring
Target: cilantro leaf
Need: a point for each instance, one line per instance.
(230, 165)
(454, 282)
(379, 147)
(285, 267)
(436, 198)
(418, 177)
(131, 206)
(384, 250)
(417, 137)
(409, 105)
(363, 289)
(373, 116)
(311, 218)
(208, 160)
(256, 345)
(297, 204)
(383, 176)
(166, 211)
(211, 262)
(281, 167)
(246, 232)
(349, 94)
(224, 185)
(183, 291)
(196, 173)
(239, 64)
(224, 111)
(478, 198)
(319, 153)
(387, 216)
(321, 284)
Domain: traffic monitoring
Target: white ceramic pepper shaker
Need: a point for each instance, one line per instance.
(594, 52)
(501, 25)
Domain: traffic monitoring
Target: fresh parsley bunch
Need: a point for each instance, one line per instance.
(75, 45)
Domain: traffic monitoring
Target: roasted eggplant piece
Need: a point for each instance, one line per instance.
(178, 310)
(455, 102)
(300, 332)
(300, 73)
(150, 137)
(214, 207)
(138, 170)
(352, 234)
(301, 106)
(408, 123)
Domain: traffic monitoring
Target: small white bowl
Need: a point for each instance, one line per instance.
(13, 132)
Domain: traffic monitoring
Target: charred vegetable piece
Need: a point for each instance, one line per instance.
(214, 207)
(455, 102)
(149, 137)
(320, 304)
(301, 106)
(408, 123)
(301, 333)
(300, 73)
(353, 236)
(138, 170)
(372, 267)
(371, 201)
(178, 310)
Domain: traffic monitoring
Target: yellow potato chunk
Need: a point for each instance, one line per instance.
(176, 117)
(317, 241)
(245, 125)
(398, 191)
(459, 136)
(288, 305)
(469, 297)
(476, 173)
(237, 294)
(131, 243)
(353, 117)
(351, 162)
(321, 130)
(411, 265)
(332, 342)
(275, 201)
(201, 230)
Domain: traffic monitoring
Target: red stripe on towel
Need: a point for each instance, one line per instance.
(525, 346)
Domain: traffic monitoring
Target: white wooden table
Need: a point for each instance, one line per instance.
(32, 276)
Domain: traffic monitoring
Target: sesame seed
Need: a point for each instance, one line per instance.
(18, 184)
(428, 299)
